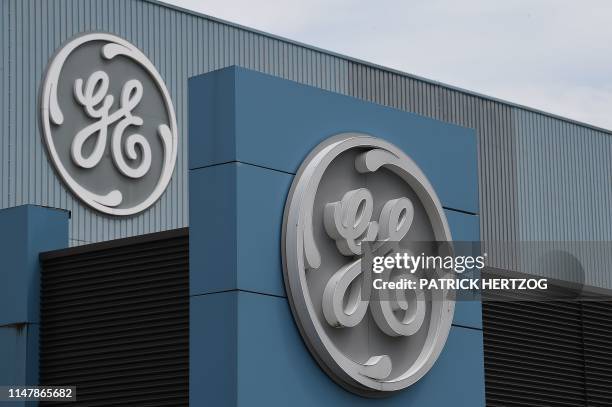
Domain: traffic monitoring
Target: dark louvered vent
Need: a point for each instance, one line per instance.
(533, 354)
(115, 321)
(597, 331)
(547, 353)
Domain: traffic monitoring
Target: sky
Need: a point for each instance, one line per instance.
(552, 55)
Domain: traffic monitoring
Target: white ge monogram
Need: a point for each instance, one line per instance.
(93, 96)
(353, 189)
(344, 305)
(115, 152)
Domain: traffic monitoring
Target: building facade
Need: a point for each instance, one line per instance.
(514, 142)
(508, 175)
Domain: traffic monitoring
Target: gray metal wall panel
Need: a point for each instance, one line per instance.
(179, 44)
(564, 189)
(5, 76)
(494, 123)
(513, 203)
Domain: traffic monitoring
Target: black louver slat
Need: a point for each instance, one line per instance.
(115, 321)
(597, 333)
(547, 353)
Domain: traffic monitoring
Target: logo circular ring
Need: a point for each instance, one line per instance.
(354, 188)
(109, 124)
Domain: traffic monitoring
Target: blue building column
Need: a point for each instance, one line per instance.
(25, 232)
(248, 134)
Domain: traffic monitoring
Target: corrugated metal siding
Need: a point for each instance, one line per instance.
(182, 44)
(495, 125)
(115, 321)
(569, 164)
(565, 191)
(5, 75)
(179, 44)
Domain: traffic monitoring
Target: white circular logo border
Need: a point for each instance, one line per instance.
(49, 106)
(297, 243)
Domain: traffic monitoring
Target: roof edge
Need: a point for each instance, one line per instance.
(381, 67)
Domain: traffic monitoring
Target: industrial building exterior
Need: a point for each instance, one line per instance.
(518, 175)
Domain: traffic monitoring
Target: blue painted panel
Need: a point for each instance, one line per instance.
(25, 231)
(457, 378)
(247, 351)
(276, 369)
(261, 202)
(212, 112)
(32, 362)
(247, 148)
(12, 354)
(278, 122)
(239, 247)
(14, 360)
(213, 357)
(212, 235)
(468, 313)
(237, 215)
(19, 356)
(13, 278)
(465, 228)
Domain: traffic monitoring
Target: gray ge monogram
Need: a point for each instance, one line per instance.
(354, 188)
(112, 141)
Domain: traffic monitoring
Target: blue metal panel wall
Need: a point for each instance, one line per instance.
(239, 312)
(25, 231)
(184, 44)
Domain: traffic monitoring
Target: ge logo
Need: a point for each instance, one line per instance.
(109, 124)
(353, 197)
(344, 303)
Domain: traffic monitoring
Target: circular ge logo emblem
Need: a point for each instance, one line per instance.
(109, 124)
(355, 188)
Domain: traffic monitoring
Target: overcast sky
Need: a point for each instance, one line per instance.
(553, 55)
